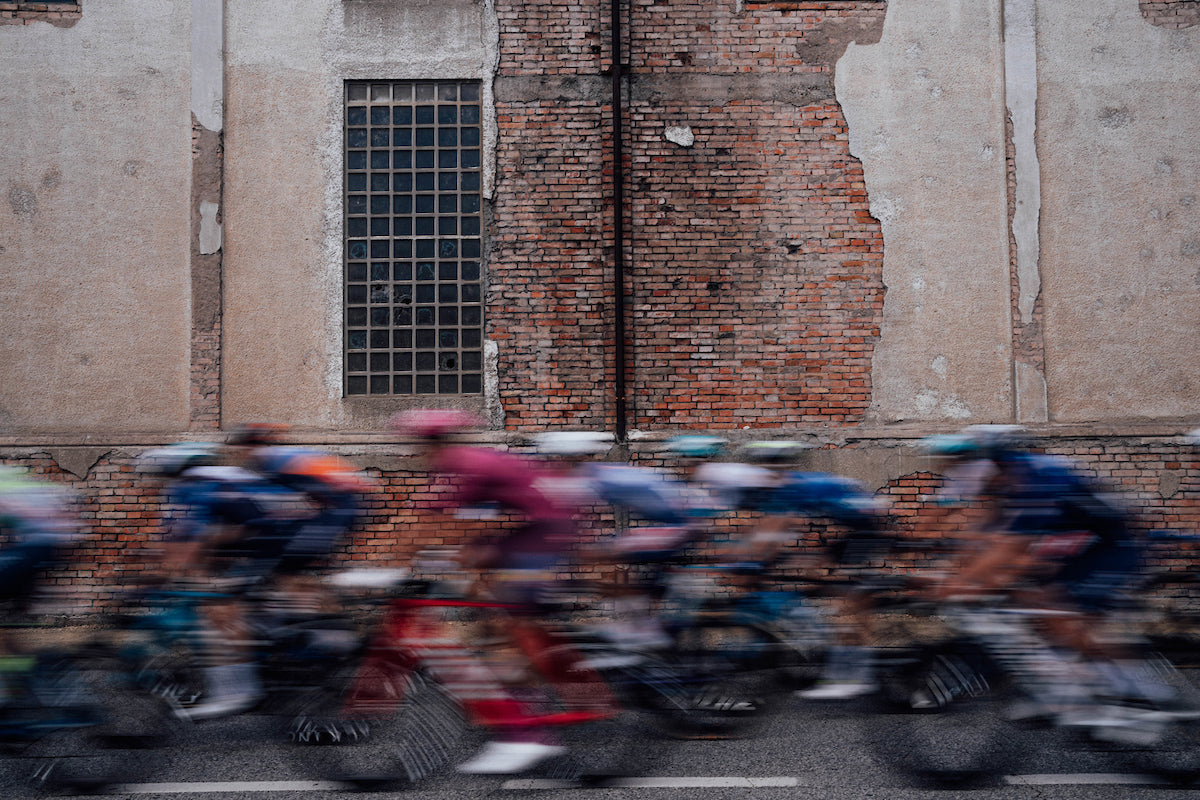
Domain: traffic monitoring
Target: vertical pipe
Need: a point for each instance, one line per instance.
(620, 344)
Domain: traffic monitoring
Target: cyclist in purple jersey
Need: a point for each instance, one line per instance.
(482, 477)
(519, 564)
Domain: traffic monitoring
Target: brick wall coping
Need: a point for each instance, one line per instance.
(829, 435)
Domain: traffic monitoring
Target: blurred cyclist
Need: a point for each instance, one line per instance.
(661, 519)
(520, 563)
(1049, 533)
(332, 488)
(224, 526)
(39, 523)
(788, 498)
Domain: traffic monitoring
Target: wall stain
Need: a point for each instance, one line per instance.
(23, 200)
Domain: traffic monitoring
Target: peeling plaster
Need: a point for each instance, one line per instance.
(78, 460)
(1020, 89)
(208, 71)
(210, 229)
(681, 136)
(1169, 482)
(925, 113)
(1031, 394)
(491, 384)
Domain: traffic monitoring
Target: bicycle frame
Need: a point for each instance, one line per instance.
(416, 637)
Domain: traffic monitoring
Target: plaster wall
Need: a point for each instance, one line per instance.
(1120, 257)
(925, 108)
(94, 283)
(283, 185)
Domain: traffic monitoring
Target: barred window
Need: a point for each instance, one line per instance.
(413, 238)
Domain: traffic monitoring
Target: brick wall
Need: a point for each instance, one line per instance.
(754, 266)
(61, 14)
(1171, 13)
(1157, 476)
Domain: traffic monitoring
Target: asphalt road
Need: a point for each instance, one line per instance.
(800, 751)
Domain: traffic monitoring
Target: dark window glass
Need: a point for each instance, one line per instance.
(410, 304)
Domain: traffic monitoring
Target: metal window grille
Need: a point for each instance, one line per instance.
(413, 246)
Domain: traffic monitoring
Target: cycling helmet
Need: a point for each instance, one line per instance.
(774, 451)
(176, 458)
(695, 446)
(573, 443)
(254, 434)
(949, 445)
(433, 423)
(990, 441)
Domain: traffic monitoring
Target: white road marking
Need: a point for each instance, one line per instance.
(232, 787)
(661, 783)
(1083, 779)
(527, 784)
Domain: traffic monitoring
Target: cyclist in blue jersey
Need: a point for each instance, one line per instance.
(1053, 536)
(39, 524)
(332, 489)
(789, 498)
(1048, 527)
(226, 526)
(666, 513)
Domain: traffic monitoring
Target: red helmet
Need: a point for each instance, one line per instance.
(433, 423)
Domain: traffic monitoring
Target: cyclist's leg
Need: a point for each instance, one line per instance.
(850, 669)
(231, 677)
(519, 584)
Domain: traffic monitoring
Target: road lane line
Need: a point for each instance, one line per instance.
(660, 783)
(1083, 779)
(527, 784)
(233, 787)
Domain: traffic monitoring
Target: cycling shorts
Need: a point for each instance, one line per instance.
(21, 566)
(1098, 579)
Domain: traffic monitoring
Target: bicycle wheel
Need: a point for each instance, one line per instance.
(1159, 738)
(951, 727)
(666, 698)
(89, 726)
(174, 677)
(377, 724)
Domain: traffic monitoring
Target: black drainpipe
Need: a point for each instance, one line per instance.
(620, 344)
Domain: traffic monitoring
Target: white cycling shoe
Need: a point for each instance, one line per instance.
(509, 758)
(225, 706)
(838, 690)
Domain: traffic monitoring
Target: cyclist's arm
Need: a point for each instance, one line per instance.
(1000, 563)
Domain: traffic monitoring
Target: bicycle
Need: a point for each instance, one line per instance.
(965, 698)
(428, 681)
(70, 720)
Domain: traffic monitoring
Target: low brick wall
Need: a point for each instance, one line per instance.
(1159, 477)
